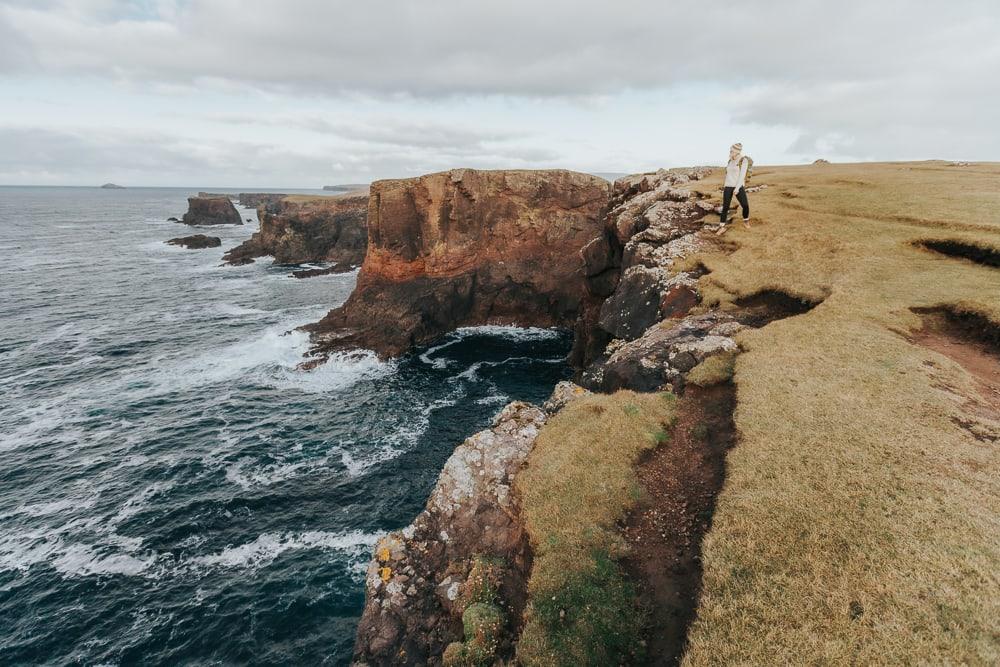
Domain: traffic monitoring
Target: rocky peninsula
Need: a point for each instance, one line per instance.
(300, 229)
(468, 247)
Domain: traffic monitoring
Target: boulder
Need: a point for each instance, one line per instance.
(663, 354)
(211, 211)
(468, 247)
(196, 242)
(298, 230)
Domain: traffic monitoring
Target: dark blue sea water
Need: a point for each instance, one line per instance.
(172, 489)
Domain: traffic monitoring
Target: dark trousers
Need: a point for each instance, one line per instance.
(741, 197)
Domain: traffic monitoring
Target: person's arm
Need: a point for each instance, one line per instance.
(743, 171)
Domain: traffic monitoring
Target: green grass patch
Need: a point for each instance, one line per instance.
(578, 483)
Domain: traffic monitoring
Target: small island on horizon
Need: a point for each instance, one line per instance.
(112, 186)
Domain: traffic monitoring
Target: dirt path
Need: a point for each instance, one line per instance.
(681, 480)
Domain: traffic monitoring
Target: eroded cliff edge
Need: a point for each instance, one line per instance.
(296, 230)
(469, 247)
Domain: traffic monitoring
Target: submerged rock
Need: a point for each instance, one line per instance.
(196, 242)
(211, 211)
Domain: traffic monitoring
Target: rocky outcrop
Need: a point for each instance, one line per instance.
(295, 230)
(196, 242)
(464, 561)
(469, 247)
(417, 586)
(663, 354)
(211, 211)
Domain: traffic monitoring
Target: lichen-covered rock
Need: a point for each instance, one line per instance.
(211, 211)
(563, 393)
(314, 229)
(469, 247)
(426, 576)
(663, 354)
(635, 305)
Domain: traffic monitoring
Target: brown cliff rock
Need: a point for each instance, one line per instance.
(211, 211)
(295, 230)
(468, 247)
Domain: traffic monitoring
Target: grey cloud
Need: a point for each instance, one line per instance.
(39, 155)
(521, 47)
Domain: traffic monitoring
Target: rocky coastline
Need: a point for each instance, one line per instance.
(298, 230)
(450, 588)
(464, 248)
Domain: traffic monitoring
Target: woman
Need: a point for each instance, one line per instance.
(736, 174)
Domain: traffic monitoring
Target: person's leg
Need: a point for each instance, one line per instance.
(727, 198)
(741, 196)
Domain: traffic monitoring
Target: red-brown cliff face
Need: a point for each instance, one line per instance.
(295, 230)
(468, 247)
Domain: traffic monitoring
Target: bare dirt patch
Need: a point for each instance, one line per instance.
(762, 308)
(974, 253)
(680, 481)
(972, 342)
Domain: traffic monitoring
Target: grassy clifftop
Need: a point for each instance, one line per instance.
(860, 518)
(860, 514)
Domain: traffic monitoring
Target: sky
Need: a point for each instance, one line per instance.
(304, 93)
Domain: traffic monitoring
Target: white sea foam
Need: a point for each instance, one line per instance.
(520, 334)
(245, 474)
(359, 464)
(268, 546)
(83, 560)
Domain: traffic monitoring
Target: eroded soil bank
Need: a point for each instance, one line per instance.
(680, 481)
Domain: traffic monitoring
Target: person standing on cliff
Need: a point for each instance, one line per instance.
(736, 175)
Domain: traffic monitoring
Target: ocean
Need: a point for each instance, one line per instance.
(172, 489)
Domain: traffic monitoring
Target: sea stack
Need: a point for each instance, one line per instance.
(211, 211)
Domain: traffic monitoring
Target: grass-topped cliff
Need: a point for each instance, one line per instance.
(858, 521)
(789, 456)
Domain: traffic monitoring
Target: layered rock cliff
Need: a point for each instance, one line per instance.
(468, 247)
(295, 230)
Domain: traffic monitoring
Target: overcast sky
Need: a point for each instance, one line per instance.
(301, 93)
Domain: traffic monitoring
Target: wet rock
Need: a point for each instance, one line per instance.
(196, 242)
(211, 211)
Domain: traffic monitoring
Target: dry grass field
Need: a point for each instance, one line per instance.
(860, 518)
